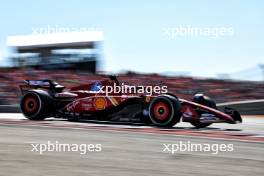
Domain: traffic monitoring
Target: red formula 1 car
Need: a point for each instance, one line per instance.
(46, 98)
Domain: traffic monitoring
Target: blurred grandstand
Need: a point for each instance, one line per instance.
(253, 73)
(78, 51)
(71, 59)
(185, 87)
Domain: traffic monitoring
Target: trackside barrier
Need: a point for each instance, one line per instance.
(250, 107)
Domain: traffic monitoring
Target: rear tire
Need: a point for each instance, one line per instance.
(36, 105)
(164, 111)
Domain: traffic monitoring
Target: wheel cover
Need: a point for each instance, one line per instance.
(161, 111)
(31, 105)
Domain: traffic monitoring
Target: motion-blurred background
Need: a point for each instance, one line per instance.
(215, 48)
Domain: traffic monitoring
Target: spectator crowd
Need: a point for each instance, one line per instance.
(184, 87)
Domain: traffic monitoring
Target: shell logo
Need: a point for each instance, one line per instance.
(99, 103)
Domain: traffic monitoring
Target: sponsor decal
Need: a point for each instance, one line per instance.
(113, 101)
(187, 112)
(72, 106)
(99, 103)
(147, 99)
(65, 95)
(87, 100)
(86, 106)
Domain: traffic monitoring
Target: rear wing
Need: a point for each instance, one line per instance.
(46, 84)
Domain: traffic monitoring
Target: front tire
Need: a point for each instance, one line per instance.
(206, 101)
(164, 111)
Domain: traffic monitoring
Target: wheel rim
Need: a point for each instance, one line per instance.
(30, 105)
(161, 111)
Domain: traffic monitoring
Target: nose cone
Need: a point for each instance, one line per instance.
(234, 114)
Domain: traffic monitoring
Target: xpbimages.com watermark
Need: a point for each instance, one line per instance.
(188, 146)
(55, 29)
(56, 146)
(128, 89)
(194, 31)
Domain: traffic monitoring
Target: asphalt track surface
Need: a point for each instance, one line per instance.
(129, 149)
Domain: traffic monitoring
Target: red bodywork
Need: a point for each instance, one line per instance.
(88, 101)
(81, 100)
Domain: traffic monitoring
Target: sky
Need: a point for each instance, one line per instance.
(150, 35)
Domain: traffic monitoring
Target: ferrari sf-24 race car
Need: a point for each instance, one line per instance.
(46, 98)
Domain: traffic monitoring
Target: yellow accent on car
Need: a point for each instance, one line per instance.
(100, 103)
